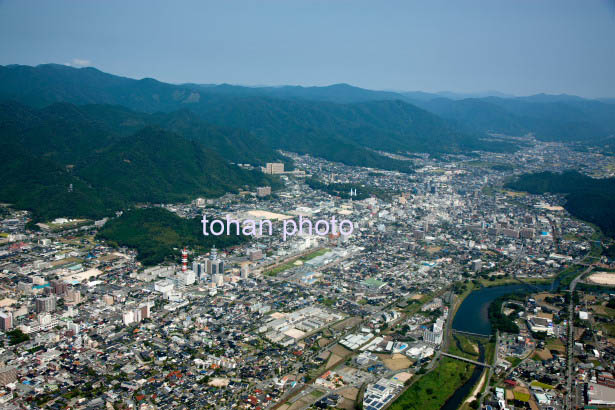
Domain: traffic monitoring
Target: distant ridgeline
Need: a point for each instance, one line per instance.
(587, 198)
(157, 234)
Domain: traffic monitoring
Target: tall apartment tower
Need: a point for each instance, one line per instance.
(6, 321)
(58, 287)
(214, 265)
(47, 304)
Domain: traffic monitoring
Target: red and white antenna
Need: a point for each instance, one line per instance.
(184, 260)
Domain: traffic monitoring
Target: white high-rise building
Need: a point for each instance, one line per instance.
(435, 335)
(245, 271)
(185, 278)
(128, 317)
(164, 286)
(274, 168)
(73, 327)
(217, 279)
(434, 338)
(47, 321)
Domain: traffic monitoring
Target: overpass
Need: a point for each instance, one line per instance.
(465, 359)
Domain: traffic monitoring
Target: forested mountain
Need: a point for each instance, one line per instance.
(154, 165)
(48, 189)
(65, 131)
(48, 83)
(65, 160)
(342, 132)
(550, 118)
(309, 122)
(294, 112)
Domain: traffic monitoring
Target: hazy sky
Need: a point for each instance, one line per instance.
(514, 46)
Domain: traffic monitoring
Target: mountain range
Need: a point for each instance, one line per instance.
(87, 161)
(305, 120)
(119, 140)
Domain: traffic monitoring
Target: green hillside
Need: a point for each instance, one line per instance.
(43, 187)
(65, 160)
(157, 234)
(277, 119)
(587, 198)
(154, 165)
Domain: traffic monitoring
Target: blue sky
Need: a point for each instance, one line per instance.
(519, 47)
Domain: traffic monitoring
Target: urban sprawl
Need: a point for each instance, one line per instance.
(369, 320)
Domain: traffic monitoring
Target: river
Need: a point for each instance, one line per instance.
(455, 401)
(472, 316)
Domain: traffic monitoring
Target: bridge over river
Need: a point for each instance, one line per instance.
(465, 359)
(470, 333)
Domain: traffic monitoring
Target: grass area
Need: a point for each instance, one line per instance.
(414, 305)
(555, 344)
(609, 329)
(508, 281)
(514, 361)
(572, 237)
(489, 352)
(545, 386)
(467, 346)
(432, 390)
(291, 263)
(478, 164)
(328, 301)
(316, 394)
(69, 225)
(524, 397)
(496, 166)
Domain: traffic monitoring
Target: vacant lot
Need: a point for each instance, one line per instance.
(544, 354)
(340, 350)
(396, 361)
(323, 341)
(602, 278)
(555, 344)
(348, 323)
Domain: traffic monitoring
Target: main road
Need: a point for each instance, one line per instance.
(570, 342)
